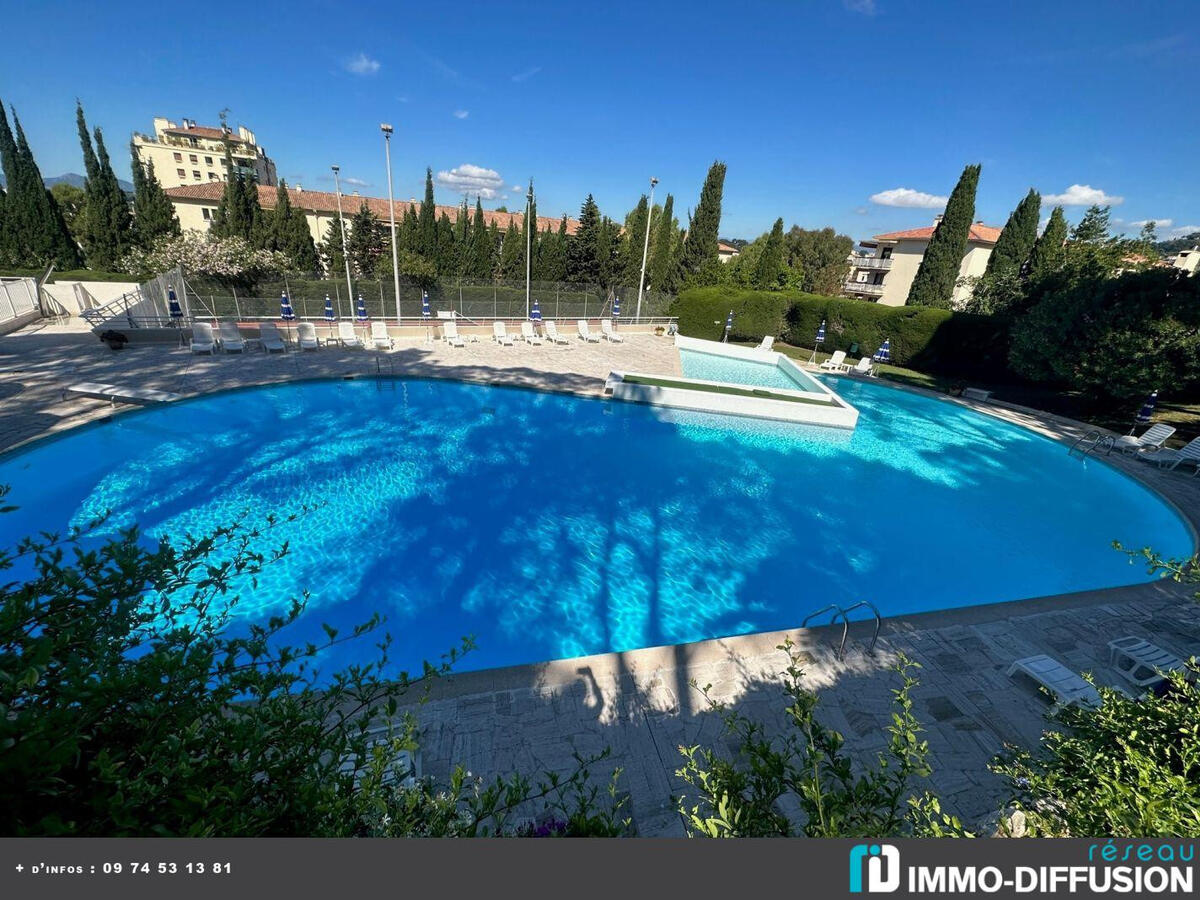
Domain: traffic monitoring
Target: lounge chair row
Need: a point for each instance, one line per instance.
(529, 333)
(1150, 447)
(837, 363)
(1141, 663)
(229, 339)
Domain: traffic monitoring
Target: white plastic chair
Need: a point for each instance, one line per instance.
(347, 336)
(380, 337)
(231, 338)
(606, 329)
(1067, 687)
(269, 338)
(836, 363)
(581, 326)
(450, 333)
(306, 336)
(202, 339)
(500, 335)
(529, 334)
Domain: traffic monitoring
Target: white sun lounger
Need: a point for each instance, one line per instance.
(529, 334)
(767, 343)
(306, 335)
(1140, 662)
(581, 326)
(1170, 459)
(268, 337)
(450, 333)
(836, 363)
(1068, 688)
(500, 335)
(347, 336)
(380, 337)
(552, 334)
(863, 366)
(231, 338)
(606, 330)
(202, 339)
(1152, 439)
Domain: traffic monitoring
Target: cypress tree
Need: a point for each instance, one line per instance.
(288, 233)
(583, 258)
(768, 276)
(410, 232)
(700, 245)
(661, 272)
(428, 222)
(117, 219)
(1049, 249)
(228, 220)
(153, 215)
(554, 260)
(529, 240)
(608, 252)
(633, 242)
(107, 226)
(1017, 238)
(365, 242)
(936, 276)
(494, 243)
(35, 231)
(479, 256)
(447, 252)
(4, 256)
(512, 253)
(462, 238)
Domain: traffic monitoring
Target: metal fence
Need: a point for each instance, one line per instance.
(466, 298)
(147, 306)
(18, 297)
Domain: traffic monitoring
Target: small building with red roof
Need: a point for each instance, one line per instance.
(883, 271)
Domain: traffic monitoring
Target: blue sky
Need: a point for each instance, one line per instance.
(828, 112)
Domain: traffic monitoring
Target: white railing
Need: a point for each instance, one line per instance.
(862, 287)
(871, 262)
(18, 298)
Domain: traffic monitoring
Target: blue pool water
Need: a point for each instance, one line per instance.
(551, 526)
(733, 370)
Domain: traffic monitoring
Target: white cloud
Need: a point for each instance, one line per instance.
(357, 182)
(516, 188)
(469, 179)
(910, 198)
(1157, 223)
(861, 210)
(1082, 195)
(461, 113)
(528, 73)
(866, 7)
(1182, 231)
(361, 64)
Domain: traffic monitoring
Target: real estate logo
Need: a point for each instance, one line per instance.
(882, 865)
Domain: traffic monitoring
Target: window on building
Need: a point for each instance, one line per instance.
(181, 173)
(196, 174)
(206, 212)
(886, 253)
(178, 157)
(212, 176)
(193, 159)
(208, 160)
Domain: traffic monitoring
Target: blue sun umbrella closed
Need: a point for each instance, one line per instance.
(821, 333)
(616, 307)
(424, 304)
(1147, 409)
(884, 353)
(173, 304)
(285, 308)
(536, 312)
(728, 327)
(330, 315)
(361, 312)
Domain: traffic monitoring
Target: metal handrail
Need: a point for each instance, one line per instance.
(844, 615)
(834, 608)
(1097, 440)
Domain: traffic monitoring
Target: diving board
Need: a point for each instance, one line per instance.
(117, 394)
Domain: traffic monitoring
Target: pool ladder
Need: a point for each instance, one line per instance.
(1093, 442)
(843, 613)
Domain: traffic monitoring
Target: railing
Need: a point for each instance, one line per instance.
(863, 287)
(871, 262)
(843, 613)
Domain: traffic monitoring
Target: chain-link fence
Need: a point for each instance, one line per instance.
(466, 298)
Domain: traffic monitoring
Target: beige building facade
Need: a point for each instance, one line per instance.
(884, 274)
(191, 154)
(1188, 260)
(196, 204)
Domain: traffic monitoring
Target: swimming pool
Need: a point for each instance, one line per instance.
(552, 526)
(768, 373)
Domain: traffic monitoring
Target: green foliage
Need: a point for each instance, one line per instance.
(937, 275)
(71, 201)
(512, 253)
(287, 232)
(583, 248)
(663, 273)
(550, 262)
(366, 242)
(1017, 237)
(771, 272)
(130, 708)
(930, 340)
(1047, 253)
(995, 292)
(1128, 769)
(633, 242)
(427, 235)
(700, 244)
(153, 215)
(820, 258)
(741, 795)
(1111, 337)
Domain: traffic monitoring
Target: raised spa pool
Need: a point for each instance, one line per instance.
(552, 526)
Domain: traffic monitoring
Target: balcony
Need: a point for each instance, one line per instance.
(862, 287)
(875, 263)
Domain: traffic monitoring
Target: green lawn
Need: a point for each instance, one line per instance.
(1184, 416)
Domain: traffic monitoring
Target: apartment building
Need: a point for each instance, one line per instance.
(883, 271)
(1188, 260)
(196, 204)
(190, 154)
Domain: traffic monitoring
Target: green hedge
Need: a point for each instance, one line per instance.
(929, 340)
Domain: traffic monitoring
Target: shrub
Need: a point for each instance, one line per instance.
(931, 340)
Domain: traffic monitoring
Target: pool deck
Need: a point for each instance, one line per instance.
(639, 703)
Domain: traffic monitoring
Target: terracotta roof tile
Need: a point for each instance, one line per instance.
(325, 203)
(980, 234)
(201, 131)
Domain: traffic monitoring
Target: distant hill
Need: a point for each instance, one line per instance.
(76, 180)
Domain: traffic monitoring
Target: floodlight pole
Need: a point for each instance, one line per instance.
(345, 249)
(645, 251)
(387, 150)
(529, 226)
